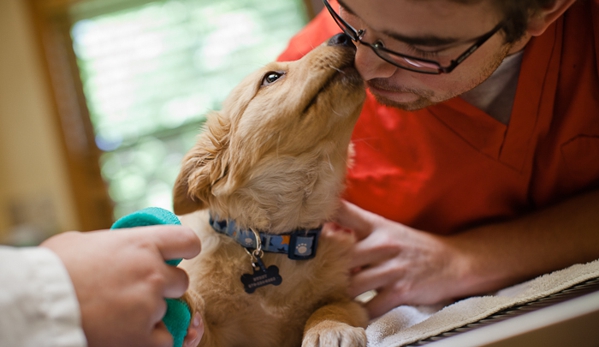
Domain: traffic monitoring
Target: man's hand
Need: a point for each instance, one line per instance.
(195, 331)
(121, 280)
(408, 266)
(404, 265)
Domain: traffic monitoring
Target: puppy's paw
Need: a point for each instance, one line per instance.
(334, 334)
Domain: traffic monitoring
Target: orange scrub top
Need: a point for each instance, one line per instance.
(452, 166)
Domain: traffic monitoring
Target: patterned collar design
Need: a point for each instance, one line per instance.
(298, 244)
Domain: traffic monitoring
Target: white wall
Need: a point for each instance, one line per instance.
(33, 182)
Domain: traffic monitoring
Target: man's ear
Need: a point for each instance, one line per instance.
(540, 21)
(204, 168)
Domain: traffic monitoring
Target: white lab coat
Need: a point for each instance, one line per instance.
(38, 305)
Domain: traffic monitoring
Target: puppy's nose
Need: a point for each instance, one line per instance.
(341, 40)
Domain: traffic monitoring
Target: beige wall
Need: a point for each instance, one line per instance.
(33, 183)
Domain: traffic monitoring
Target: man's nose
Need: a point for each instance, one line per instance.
(372, 66)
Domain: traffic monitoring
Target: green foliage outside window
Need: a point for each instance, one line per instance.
(150, 74)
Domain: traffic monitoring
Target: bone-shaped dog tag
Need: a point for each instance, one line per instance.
(261, 277)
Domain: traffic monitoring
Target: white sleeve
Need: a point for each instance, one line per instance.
(38, 304)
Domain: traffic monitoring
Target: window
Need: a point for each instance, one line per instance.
(150, 71)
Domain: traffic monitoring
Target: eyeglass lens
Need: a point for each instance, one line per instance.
(393, 58)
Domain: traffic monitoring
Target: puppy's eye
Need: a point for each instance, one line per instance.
(271, 77)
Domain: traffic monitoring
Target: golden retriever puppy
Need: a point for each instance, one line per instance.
(266, 174)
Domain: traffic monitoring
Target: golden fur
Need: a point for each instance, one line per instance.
(274, 159)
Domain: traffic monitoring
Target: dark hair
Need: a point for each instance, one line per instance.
(515, 13)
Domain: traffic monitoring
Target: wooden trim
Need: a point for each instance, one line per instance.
(94, 207)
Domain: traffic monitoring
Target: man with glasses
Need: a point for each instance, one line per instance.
(477, 151)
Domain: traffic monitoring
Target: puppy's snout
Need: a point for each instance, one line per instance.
(341, 40)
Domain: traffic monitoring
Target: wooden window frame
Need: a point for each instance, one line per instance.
(93, 206)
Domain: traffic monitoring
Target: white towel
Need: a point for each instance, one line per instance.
(407, 324)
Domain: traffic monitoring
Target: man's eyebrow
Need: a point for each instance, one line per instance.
(345, 7)
(426, 40)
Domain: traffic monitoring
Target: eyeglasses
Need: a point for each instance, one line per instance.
(405, 61)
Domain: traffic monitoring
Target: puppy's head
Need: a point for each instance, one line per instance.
(282, 135)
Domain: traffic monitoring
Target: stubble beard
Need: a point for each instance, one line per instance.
(425, 97)
(428, 97)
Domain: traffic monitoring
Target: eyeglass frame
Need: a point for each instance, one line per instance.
(356, 36)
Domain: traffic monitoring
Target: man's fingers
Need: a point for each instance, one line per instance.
(374, 249)
(384, 301)
(354, 218)
(177, 282)
(374, 277)
(158, 313)
(175, 241)
(362, 254)
(194, 332)
(160, 336)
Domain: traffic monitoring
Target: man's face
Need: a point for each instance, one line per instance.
(437, 30)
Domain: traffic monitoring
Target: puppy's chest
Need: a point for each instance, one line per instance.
(280, 308)
(271, 315)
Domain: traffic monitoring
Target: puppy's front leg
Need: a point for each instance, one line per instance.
(337, 324)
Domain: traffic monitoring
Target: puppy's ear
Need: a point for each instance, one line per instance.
(233, 169)
(184, 201)
(204, 168)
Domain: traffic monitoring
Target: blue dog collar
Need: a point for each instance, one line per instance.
(298, 245)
